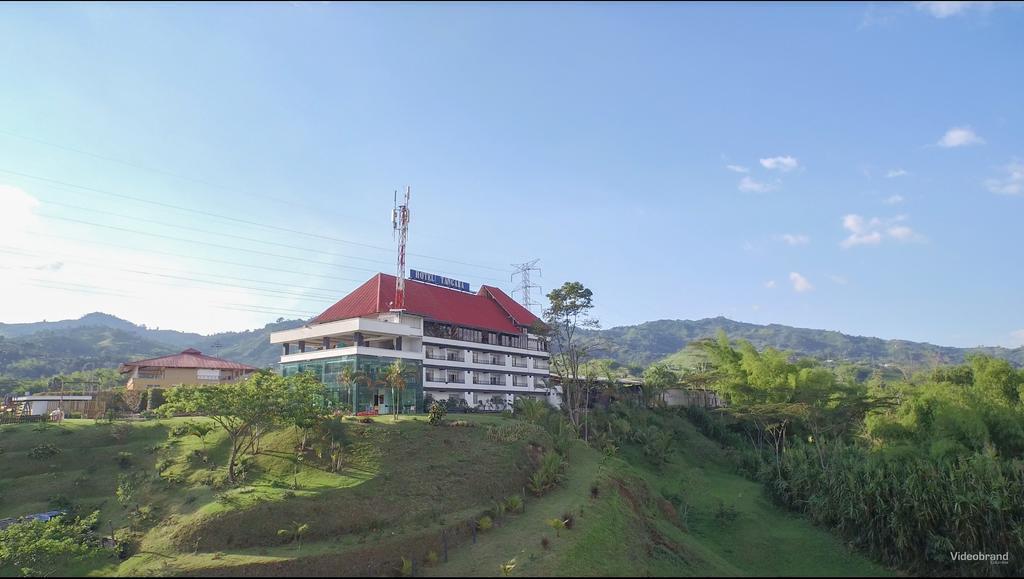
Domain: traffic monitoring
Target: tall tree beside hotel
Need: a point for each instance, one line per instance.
(569, 312)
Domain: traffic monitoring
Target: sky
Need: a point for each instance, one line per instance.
(211, 167)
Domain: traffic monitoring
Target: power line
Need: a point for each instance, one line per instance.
(229, 235)
(78, 259)
(267, 292)
(82, 288)
(192, 257)
(143, 167)
(234, 219)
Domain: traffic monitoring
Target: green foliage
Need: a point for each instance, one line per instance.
(485, 523)
(549, 473)
(514, 504)
(40, 549)
(124, 460)
(436, 413)
(909, 471)
(247, 410)
(44, 451)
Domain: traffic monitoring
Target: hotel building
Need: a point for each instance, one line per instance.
(457, 345)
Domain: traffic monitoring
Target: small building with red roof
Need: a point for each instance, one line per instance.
(190, 367)
(473, 349)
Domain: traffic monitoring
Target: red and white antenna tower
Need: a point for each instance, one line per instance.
(400, 229)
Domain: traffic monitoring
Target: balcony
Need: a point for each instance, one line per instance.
(492, 359)
(541, 364)
(518, 362)
(520, 381)
(490, 379)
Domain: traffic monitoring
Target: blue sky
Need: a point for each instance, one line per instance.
(855, 167)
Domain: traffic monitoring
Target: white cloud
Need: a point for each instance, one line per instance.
(945, 9)
(784, 164)
(18, 215)
(960, 137)
(1012, 183)
(893, 200)
(874, 231)
(750, 185)
(737, 168)
(800, 283)
(1017, 338)
(795, 239)
(838, 279)
(893, 173)
(770, 284)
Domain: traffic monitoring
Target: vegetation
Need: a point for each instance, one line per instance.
(40, 549)
(248, 410)
(568, 314)
(910, 471)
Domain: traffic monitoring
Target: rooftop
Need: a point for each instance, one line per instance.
(190, 358)
(487, 309)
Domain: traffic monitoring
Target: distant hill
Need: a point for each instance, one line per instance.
(649, 342)
(99, 340)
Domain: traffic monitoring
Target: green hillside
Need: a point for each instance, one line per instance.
(649, 342)
(406, 489)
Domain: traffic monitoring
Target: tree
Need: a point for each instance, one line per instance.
(40, 549)
(247, 410)
(394, 377)
(294, 533)
(200, 430)
(569, 312)
(658, 379)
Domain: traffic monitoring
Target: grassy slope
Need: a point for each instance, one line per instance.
(631, 529)
(402, 484)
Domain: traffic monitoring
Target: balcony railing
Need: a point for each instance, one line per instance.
(519, 362)
(490, 380)
(520, 381)
(435, 355)
(540, 364)
(456, 357)
(489, 359)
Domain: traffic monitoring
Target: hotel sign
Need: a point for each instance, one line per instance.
(438, 280)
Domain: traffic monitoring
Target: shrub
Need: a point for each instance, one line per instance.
(514, 504)
(44, 451)
(485, 523)
(366, 420)
(124, 460)
(431, 559)
(436, 413)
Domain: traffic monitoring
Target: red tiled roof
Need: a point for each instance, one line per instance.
(190, 358)
(488, 309)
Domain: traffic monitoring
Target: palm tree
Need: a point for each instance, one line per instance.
(294, 532)
(350, 377)
(394, 376)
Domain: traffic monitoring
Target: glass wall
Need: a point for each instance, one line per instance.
(367, 389)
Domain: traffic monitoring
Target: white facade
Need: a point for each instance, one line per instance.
(482, 374)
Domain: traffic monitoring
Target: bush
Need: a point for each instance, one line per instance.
(124, 460)
(44, 451)
(485, 523)
(514, 504)
(436, 413)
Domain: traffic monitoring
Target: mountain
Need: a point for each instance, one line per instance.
(98, 340)
(649, 342)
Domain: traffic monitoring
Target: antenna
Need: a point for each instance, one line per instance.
(400, 229)
(523, 270)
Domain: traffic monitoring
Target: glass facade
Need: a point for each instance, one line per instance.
(368, 390)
